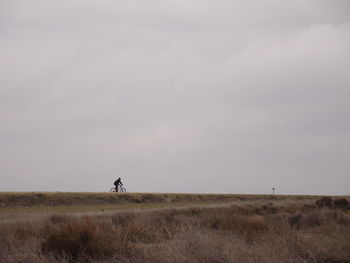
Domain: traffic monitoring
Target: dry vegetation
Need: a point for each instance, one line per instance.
(62, 202)
(251, 231)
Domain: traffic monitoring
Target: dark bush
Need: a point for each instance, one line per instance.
(270, 209)
(313, 218)
(324, 202)
(295, 221)
(341, 203)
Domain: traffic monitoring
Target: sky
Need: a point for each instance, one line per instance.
(195, 96)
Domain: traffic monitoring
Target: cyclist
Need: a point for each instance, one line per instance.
(117, 183)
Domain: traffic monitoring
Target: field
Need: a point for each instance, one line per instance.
(136, 227)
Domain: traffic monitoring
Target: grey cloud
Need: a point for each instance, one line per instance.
(175, 96)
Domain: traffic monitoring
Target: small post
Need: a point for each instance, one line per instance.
(273, 191)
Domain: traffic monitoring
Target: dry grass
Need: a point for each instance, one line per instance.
(257, 231)
(37, 202)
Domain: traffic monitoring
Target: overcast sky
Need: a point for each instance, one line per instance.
(225, 96)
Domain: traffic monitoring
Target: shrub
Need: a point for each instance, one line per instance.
(341, 203)
(313, 218)
(295, 221)
(247, 226)
(270, 209)
(324, 202)
(85, 236)
(337, 217)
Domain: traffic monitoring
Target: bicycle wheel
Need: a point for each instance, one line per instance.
(113, 189)
(122, 189)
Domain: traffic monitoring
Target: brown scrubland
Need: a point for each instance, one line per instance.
(249, 230)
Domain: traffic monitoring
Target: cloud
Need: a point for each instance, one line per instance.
(175, 96)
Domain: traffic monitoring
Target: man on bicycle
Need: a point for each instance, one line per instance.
(117, 183)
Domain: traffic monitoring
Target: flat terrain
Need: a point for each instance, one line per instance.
(173, 228)
(71, 202)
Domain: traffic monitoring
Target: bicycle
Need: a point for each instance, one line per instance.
(121, 189)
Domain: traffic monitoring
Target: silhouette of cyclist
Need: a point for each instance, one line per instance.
(117, 183)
